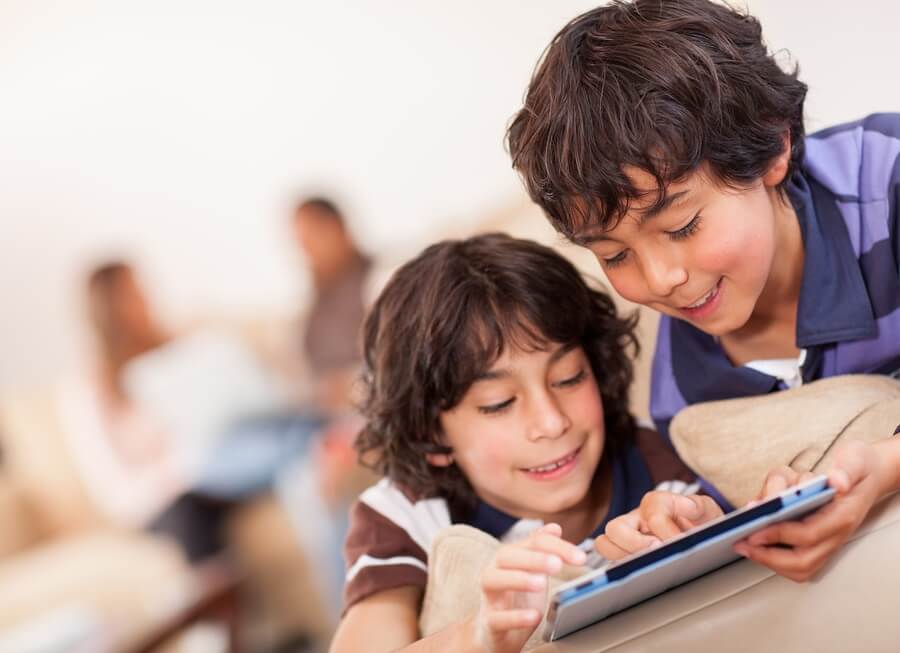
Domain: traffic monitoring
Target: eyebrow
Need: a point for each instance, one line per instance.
(491, 375)
(587, 237)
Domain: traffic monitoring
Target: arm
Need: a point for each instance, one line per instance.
(129, 489)
(386, 621)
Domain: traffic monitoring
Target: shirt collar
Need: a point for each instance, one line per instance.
(834, 303)
(703, 371)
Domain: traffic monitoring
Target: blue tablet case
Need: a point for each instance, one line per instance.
(599, 594)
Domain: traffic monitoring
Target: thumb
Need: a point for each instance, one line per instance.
(851, 465)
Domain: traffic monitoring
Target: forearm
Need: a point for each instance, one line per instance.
(388, 621)
(456, 637)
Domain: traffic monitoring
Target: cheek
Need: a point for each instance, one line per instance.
(485, 449)
(743, 254)
(628, 283)
(743, 242)
(585, 407)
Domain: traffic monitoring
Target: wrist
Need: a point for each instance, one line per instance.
(888, 453)
(473, 641)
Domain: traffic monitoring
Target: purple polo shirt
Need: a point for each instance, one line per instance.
(847, 198)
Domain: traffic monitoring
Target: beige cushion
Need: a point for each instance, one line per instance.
(734, 443)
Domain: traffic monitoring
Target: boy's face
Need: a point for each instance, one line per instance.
(529, 435)
(705, 258)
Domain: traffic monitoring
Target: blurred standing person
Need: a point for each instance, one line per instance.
(339, 273)
(318, 488)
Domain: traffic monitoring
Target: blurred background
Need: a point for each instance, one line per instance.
(194, 156)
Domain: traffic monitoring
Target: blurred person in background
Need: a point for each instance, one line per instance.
(318, 489)
(330, 338)
(176, 428)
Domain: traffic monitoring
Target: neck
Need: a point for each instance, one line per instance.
(770, 332)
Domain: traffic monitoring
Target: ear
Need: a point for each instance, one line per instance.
(439, 459)
(779, 166)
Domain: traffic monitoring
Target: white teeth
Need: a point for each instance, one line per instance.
(705, 298)
(552, 466)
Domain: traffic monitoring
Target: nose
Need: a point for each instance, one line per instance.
(548, 419)
(662, 273)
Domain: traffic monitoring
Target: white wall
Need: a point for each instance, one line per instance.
(179, 131)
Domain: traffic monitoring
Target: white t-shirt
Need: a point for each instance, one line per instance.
(785, 369)
(198, 385)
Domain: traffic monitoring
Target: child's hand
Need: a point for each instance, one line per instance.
(661, 516)
(856, 475)
(514, 588)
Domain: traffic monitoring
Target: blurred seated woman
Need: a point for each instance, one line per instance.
(176, 429)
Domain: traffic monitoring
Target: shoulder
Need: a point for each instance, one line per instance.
(856, 160)
(666, 469)
(388, 540)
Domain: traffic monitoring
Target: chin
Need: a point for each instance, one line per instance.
(565, 498)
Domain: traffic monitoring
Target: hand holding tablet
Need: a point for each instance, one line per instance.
(695, 552)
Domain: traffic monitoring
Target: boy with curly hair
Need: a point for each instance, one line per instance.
(497, 396)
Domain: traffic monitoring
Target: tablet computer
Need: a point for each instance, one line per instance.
(601, 593)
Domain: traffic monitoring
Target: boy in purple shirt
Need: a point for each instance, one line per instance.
(662, 136)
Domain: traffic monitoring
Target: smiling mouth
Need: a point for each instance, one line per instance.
(556, 464)
(706, 298)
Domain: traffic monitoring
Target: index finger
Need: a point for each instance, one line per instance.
(624, 533)
(777, 481)
(547, 543)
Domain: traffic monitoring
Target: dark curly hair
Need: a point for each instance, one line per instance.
(660, 85)
(441, 322)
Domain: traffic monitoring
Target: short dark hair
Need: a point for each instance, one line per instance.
(661, 85)
(325, 206)
(446, 316)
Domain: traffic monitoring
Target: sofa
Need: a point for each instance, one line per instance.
(64, 569)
